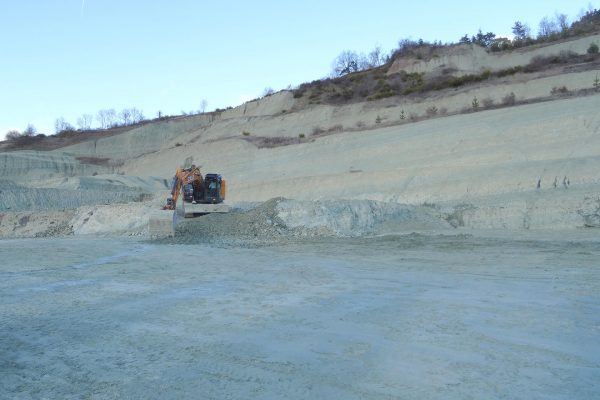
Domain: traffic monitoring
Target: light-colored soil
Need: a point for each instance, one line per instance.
(428, 317)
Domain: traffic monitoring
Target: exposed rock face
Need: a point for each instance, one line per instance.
(590, 211)
(352, 169)
(143, 140)
(465, 59)
(27, 166)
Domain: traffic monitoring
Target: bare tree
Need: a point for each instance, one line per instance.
(125, 116)
(61, 125)
(363, 62)
(111, 116)
(107, 118)
(376, 57)
(102, 119)
(268, 91)
(85, 122)
(547, 27)
(562, 22)
(29, 131)
(203, 105)
(347, 62)
(136, 115)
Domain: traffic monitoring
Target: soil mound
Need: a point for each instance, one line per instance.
(282, 219)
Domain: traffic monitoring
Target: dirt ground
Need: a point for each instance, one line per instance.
(412, 316)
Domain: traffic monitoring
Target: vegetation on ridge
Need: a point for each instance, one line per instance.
(359, 77)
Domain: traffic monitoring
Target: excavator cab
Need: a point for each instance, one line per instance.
(214, 189)
(188, 193)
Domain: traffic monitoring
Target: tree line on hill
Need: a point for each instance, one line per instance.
(549, 30)
(105, 118)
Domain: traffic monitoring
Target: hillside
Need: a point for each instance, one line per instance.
(460, 131)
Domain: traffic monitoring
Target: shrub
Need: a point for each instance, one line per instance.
(509, 71)
(596, 83)
(509, 99)
(539, 63)
(556, 91)
(178, 144)
(413, 79)
(475, 104)
(536, 64)
(245, 133)
(464, 79)
(301, 136)
(431, 111)
(487, 102)
(317, 130)
(378, 119)
(13, 134)
(593, 49)
(347, 94)
(315, 95)
(402, 115)
(382, 90)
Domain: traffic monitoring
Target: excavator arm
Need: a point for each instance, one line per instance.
(175, 190)
(182, 177)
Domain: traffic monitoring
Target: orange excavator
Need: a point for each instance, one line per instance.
(196, 189)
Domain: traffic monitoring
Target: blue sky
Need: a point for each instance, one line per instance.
(65, 58)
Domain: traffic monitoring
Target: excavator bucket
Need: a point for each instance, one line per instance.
(170, 204)
(161, 224)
